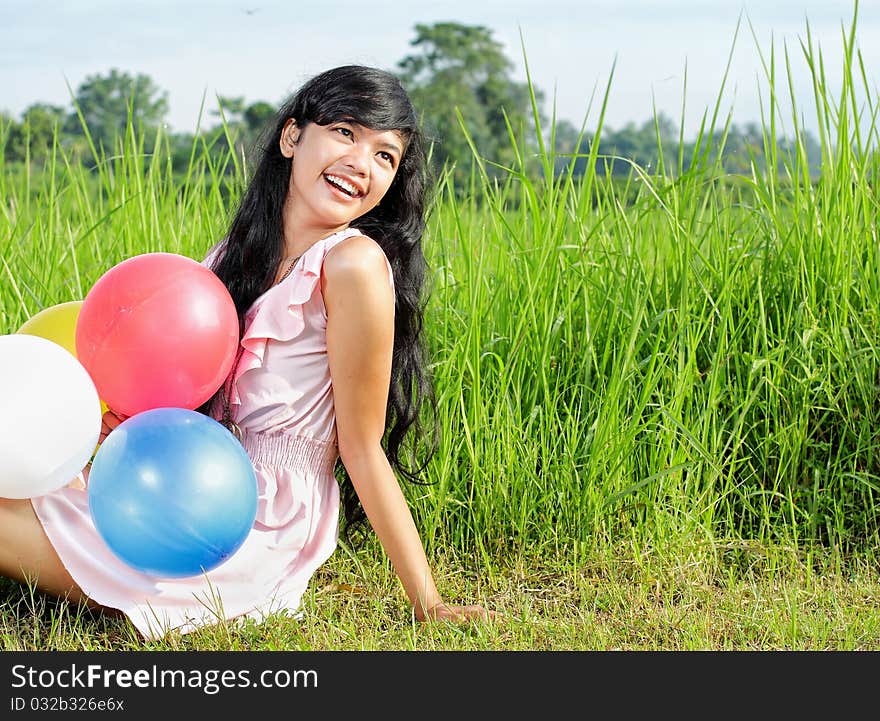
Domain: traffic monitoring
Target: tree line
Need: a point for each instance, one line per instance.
(460, 80)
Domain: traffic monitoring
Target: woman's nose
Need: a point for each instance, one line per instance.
(357, 159)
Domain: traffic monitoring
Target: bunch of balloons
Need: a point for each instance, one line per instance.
(171, 491)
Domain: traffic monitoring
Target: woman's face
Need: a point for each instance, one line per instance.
(340, 171)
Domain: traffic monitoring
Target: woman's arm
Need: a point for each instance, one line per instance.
(360, 339)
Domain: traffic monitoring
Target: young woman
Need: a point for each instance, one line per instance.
(323, 259)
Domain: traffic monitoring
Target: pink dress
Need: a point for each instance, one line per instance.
(282, 399)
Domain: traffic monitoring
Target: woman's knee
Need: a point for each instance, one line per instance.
(26, 555)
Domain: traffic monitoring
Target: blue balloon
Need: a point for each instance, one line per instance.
(172, 492)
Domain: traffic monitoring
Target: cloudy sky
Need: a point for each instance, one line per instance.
(263, 49)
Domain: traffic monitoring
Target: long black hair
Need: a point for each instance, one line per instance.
(255, 246)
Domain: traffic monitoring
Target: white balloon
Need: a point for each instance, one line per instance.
(51, 416)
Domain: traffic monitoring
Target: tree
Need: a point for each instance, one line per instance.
(107, 102)
(34, 136)
(257, 115)
(229, 108)
(461, 67)
(244, 123)
(251, 118)
(566, 147)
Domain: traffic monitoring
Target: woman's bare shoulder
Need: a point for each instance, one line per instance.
(356, 256)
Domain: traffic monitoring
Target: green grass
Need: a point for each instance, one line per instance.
(658, 396)
(735, 596)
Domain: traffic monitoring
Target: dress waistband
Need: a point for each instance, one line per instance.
(287, 449)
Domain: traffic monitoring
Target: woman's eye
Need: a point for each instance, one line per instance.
(345, 131)
(387, 157)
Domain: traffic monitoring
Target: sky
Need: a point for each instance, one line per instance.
(665, 54)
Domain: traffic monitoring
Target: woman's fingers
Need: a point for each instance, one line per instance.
(112, 419)
(461, 614)
(476, 612)
(109, 422)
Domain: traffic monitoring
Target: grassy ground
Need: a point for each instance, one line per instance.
(733, 596)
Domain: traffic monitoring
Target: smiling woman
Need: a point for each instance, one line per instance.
(324, 262)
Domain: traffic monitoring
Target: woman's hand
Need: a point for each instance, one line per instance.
(109, 421)
(457, 614)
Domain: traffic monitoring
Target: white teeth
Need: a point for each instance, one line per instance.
(344, 184)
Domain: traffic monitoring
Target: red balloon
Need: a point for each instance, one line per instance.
(158, 330)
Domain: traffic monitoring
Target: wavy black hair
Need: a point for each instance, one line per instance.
(255, 246)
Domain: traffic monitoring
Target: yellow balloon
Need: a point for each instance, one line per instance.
(58, 324)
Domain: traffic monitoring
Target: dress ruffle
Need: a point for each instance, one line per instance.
(283, 319)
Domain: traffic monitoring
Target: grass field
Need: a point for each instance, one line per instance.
(658, 395)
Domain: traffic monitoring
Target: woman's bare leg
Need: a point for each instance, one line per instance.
(26, 555)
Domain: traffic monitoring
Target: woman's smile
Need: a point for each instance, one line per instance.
(344, 186)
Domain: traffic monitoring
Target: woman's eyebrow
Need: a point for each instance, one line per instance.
(391, 146)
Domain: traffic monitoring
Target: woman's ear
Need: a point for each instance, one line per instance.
(289, 137)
